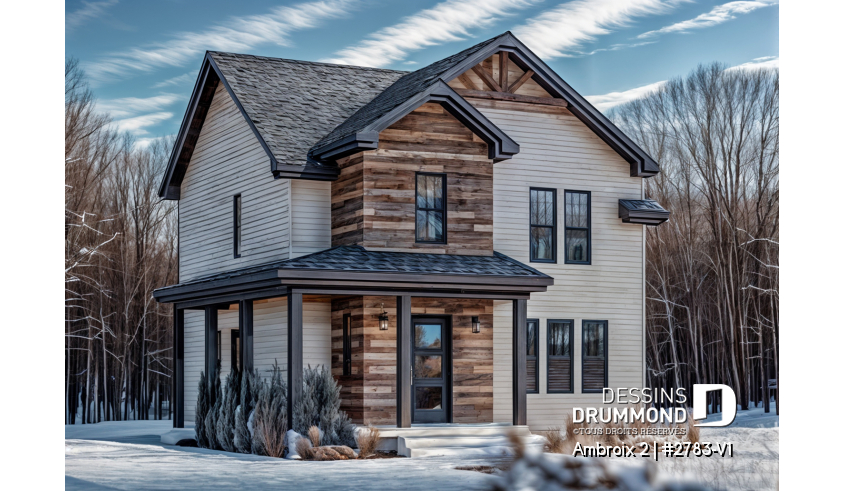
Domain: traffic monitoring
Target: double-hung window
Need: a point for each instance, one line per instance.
(533, 328)
(594, 356)
(577, 227)
(236, 222)
(543, 225)
(559, 356)
(431, 208)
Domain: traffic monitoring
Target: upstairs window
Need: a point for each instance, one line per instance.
(594, 356)
(236, 221)
(559, 356)
(431, 208)
(577, 227)
(533, 326)
(543, 220)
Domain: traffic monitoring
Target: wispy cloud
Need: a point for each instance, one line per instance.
(129, 106)
(180, 80)
(146, 142)
(758, 63)
(89, 11)
(719, 14)
(237, 34)
(607, 101)
(445, 22)
(560, 31)
(138, 125)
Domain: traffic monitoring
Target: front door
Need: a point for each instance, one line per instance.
(431, 373)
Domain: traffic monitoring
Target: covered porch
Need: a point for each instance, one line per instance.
(413, 339)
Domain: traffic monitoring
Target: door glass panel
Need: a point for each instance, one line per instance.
(427, 336)
(428, 366)
(428, 397)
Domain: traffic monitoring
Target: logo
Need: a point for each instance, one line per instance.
(699, 404)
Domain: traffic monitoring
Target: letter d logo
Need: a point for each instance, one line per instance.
(699, 405)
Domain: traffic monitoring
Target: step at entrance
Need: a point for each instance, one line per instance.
(483, 440)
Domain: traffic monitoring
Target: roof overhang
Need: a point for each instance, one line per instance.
(642, 211)
(642, 165)
(500, 146)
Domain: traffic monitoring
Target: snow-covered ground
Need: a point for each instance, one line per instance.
(129, 455)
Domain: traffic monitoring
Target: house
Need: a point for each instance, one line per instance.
(460, 244)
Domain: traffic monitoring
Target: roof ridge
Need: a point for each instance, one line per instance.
(306, 62)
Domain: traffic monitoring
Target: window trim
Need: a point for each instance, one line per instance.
(583, 356)
(571, 356)
(346, 346)
(417, 208)
(536, 356)
(219, 350)
(235, 348)
(237, 225)
(589, 228)
(553, 226)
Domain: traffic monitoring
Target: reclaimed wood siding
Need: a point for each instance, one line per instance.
(229, 160)
(351, 386)
(311, 216)
(558, 151)
(373, 202)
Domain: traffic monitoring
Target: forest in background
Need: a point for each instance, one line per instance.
(711, 273)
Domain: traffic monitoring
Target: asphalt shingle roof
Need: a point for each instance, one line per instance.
(356, 258)
(295, 103)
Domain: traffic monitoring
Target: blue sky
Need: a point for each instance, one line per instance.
(143, 57)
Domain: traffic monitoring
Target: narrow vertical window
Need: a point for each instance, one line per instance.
(559, 356)
(219, 351)
(236, 349)
(594, 356)
(532, 373)
(236, 210)
(431, 208)
(577, 227)
(347, 344)
(543, 222)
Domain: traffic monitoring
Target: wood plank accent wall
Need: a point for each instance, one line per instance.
(558, 151)
(373, 200)
(470, 80)
(228, 160)
(369, 395)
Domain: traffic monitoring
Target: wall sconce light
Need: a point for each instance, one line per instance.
(476, 325)
(382, 319)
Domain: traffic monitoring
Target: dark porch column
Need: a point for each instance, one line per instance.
(520, 314)
(211, 342)
(294, 352)
(403, 361)
(245, 329)
(178, 399)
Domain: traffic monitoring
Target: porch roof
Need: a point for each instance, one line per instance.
(355, 266)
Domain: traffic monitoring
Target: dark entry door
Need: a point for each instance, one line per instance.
(432, 370)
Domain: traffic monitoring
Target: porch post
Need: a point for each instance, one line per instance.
(520, 314)
(403, 361)
(210, 342)
(245, 330)
(178, 399)
(294, 352)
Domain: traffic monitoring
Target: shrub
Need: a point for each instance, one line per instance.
(201, 412)
(304, 448)
(250, 387)
(214, 401)
(554, 440)
(226, 415)
(369, 439)
(320, 407)
(270, 417)
(314, 436)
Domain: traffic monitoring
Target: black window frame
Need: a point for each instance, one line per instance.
(571, 323)
(589, 228)
(442, 175)
(219, 350)
(237, 225)
(553, 226)
(583, 356)
(346, 357)
(536, 356)
(234, 349)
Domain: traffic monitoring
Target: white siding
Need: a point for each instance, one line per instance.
(194, 359)
(558, 151)
(229, 160)
(311, 207)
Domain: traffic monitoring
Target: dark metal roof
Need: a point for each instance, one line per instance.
(293, 103)
(643, 211)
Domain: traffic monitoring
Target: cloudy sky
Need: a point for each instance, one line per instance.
(143, 57)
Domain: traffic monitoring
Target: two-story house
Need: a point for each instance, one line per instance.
(460, 244)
